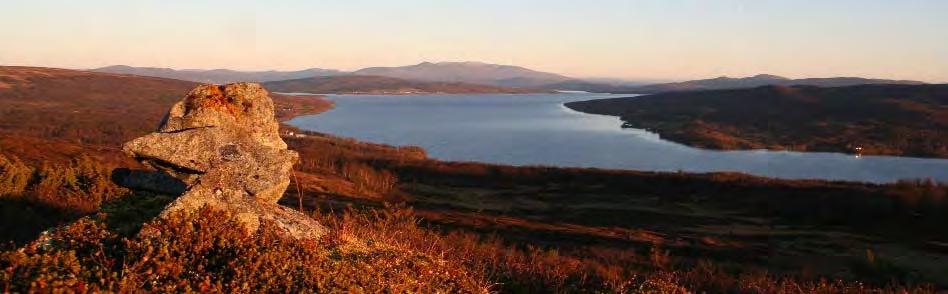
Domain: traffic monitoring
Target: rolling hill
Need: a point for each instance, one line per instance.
(382, 85)
(757, 81)
(217, 76)
(587, 86)
(49, 114)
(905, 120)
(479, 73)
(468, 72)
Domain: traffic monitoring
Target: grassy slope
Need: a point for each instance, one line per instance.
(61, 132)
(56, 114)
(590, 229)
(735, 221)
(905, 120)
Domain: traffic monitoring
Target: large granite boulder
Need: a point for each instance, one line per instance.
(223, 144)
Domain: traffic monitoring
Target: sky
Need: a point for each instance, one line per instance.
(654, 40)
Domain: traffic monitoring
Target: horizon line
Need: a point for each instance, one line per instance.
(580, 77)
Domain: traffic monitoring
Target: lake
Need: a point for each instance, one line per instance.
(536, 129)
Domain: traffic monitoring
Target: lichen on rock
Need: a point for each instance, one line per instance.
(223, 143)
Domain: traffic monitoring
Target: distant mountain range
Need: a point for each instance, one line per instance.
(468, 72)
(218, 76)
(477, 73)
(355, 84)
(757, 81)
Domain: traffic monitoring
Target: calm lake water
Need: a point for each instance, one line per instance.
(537, 129)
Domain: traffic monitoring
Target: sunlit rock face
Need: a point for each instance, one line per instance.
(223, 143)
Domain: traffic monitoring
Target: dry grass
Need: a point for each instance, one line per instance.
(207, 252)
(378, 250)
(430, 245)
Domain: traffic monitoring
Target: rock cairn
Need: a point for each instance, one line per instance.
(223, 144)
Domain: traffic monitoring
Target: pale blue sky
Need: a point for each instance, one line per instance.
(661, 39)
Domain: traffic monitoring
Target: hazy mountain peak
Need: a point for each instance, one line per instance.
(754, 77)
(469, 63)
(127, 69)
(117, 66)
(217, 76)
(349, 84)
(467, 72)
(768, 77)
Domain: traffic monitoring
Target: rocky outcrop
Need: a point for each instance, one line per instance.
(223, 144)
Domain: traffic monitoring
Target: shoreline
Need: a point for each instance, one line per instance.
(288, 107)
(484, 196)
(684, 142)
(697, 171)
(696, 132)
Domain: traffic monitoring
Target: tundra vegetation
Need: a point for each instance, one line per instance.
(400, 222)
